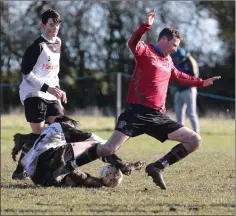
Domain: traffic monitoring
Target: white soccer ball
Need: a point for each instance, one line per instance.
(111, 176)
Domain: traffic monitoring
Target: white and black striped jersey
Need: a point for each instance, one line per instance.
(53, 136)
(40, 68)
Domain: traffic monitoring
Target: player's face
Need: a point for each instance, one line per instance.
(51, 28)
(170, 46)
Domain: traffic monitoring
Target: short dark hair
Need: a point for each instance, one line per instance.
(50, 13)
(66, 119)
(170, 33)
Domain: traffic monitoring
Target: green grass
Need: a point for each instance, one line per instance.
(201, 184)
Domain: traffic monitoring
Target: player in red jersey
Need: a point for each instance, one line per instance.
(145, 109)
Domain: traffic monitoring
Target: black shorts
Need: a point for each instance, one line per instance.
(138, 119)
(38, 109)
(48, 162)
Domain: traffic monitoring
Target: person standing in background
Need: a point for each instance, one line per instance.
(185, 99)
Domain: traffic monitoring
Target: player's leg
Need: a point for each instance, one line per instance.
(160, 128)
(82, 140)
(81, 179)
(19, 141)
(94, 152)
(48, 111)
(125, 167)
(80, 147)
(35, 111)
(54, 109)
(128, 125)
(77, 178)
(189, 142)
(191, 101)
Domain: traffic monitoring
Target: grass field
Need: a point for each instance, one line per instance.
(201, 184)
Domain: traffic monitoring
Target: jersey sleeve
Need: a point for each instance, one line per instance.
(136, 46)
(28, 62)
(185, 79)
(74, 135)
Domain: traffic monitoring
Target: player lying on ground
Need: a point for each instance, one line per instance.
(60, 142)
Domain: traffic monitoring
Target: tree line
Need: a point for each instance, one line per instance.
(94, 38)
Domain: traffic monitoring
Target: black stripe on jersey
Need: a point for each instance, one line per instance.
(74, 135)
(31, 56)
(32, 53)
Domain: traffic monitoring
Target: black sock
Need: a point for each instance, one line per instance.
(30, 142)
(177, 153)
(113, 160)
(33, 137)
(87, 156)
(30, 136)
(28, 145)
(25, 137)
(19, 167)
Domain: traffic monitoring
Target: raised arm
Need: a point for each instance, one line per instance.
(134, 43)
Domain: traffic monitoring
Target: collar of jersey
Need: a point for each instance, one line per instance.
(50, 41)
(158, 50)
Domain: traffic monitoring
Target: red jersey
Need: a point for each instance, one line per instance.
(152, 73)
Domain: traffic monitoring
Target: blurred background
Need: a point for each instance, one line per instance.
(94, 38)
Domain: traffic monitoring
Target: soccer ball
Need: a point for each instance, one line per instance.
(111, 176)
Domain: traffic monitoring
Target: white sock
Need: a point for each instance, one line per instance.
(97, 139)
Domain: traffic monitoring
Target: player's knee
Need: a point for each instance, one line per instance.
(195, 141)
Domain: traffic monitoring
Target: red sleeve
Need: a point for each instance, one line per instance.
(185, 79)
(134, 42)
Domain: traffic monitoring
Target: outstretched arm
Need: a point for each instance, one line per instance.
(210, 81)
(188, 80)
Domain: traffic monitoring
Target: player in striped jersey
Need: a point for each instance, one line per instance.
(40, 91)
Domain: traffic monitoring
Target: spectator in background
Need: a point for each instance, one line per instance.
(185, 100)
